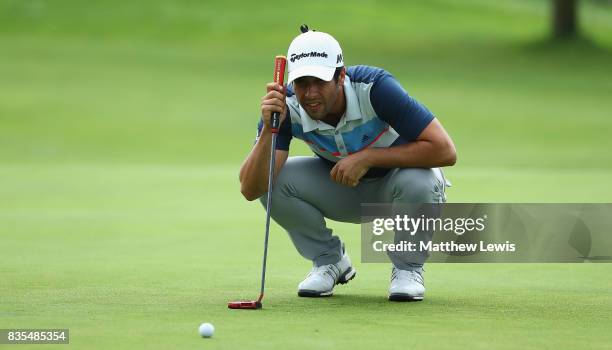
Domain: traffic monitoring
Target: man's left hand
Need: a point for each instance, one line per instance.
(348, 171)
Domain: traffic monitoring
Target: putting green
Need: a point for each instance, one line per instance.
(123, 125)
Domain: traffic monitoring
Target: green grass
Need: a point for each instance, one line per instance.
(123, 125)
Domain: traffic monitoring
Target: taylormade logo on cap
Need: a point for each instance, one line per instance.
(295, 57)
(315, 54)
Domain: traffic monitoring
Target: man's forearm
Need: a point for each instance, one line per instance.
(417, 154)
(254, 170)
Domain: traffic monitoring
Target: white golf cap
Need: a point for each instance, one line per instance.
(315, 54)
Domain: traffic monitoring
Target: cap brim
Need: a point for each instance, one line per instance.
(321, 72)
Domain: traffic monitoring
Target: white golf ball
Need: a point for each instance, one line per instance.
(207, 330)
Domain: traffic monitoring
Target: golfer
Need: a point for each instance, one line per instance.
(373, 143)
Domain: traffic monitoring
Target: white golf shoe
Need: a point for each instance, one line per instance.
(406, 285)
(321, 280)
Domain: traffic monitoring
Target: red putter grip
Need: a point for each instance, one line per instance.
(279, 77)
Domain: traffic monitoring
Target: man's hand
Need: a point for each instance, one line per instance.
(348, 171)
(273, 101)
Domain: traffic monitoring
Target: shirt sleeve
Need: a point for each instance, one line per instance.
(284, 133)
(393, 105)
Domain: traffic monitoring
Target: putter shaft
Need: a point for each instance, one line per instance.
(268, 210)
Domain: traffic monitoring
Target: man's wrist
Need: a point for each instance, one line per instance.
(265, 130)
(367, 157)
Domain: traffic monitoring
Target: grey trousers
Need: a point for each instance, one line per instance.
(304, 196)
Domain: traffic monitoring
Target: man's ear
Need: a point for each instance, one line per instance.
(342, 76)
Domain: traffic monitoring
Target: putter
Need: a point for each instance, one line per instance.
(279, 74)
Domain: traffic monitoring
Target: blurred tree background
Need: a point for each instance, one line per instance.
(565, 18)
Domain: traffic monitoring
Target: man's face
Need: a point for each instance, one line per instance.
(317, 96)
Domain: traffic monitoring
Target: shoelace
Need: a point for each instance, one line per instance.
(412, 275)
(331, 270)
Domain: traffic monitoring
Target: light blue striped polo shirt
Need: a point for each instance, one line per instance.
(379, 113)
